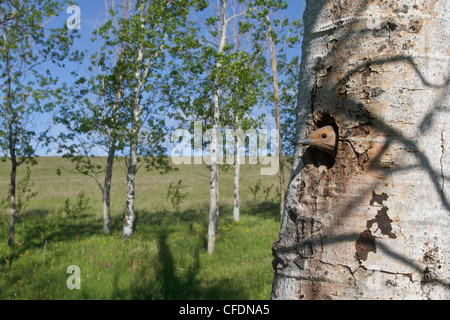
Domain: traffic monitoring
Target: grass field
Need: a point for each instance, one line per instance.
(166, 258)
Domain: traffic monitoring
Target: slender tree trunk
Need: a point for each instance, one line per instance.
(212, 221)
(131, 174)
(107, 189)
(134, 135)
(132, 163)
(12, 199)
(213, 183)
(273, 64)
(131, 178)
(372, 221)
(213, 180)
(12, 152)
(237, 169)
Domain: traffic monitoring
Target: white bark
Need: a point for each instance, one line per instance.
(374, 223)
(134, 134)
(131, 179)
(132, 164)
(237, 170)
(213, 180)
(212, 222)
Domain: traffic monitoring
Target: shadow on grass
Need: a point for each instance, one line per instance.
(172, 283)
(264, 209)
(36, 227)
(170, 217)
(160, 275)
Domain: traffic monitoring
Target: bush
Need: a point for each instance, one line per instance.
(80, 207)
(266, 192)
(175, 195)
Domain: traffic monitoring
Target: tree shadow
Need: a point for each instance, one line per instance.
(37, 228)
(264, 209)
(163, 216)
(169, 283)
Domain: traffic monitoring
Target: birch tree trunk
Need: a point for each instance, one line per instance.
(371, 222)
(134, 133)
(132, 163)
(213, 180)
(128, 227)
(213, 183)
(148, 35)
(237, 171)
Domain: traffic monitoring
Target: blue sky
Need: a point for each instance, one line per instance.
(92, 15)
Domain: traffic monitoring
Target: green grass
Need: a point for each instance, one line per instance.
(166, 258)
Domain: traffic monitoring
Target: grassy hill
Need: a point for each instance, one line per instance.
(166, 258)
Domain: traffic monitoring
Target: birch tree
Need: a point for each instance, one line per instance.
(92, 124)
(222, 24)
(92, 111)
(371, 220)
(152, 34)
(211, 71)
(27, 47)
(203, 78)
(245, 89)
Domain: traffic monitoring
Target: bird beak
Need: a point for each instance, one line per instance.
(305, 142)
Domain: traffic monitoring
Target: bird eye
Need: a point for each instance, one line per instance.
(324, 135)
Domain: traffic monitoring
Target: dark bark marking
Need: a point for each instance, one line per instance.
(364, 245)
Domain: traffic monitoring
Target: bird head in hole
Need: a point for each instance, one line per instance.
(323, 138)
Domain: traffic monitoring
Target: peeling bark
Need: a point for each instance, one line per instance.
(372, 222)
